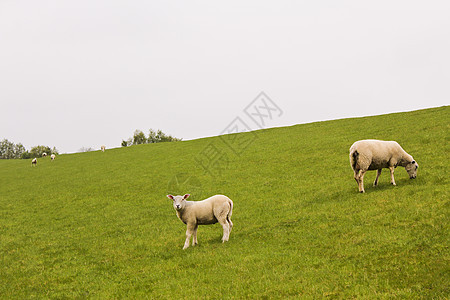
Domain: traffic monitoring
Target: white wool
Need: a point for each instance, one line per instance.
(218, 208)
(375, 155)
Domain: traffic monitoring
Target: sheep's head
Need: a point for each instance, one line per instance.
(179, 202)
(411, 168)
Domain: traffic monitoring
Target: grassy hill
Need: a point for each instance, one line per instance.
(99, 224)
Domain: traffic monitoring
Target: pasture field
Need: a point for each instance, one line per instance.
(99, 225)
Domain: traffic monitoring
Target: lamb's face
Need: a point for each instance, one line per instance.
(179, 202)
(411, 168)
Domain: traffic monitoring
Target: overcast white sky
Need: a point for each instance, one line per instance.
(86, 73)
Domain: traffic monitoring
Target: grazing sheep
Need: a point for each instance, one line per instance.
(103, 148)
(53, 157)
(44, 154)
(215, 209)
(374, 155)
(34, 162)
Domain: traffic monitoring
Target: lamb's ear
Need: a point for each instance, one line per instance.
(186, 196)
(170, 197)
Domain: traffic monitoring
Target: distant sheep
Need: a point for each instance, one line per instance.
(53, 157)
(215, 209)
(103, 148)
(44, 154)
(34, 162)
(374, 155)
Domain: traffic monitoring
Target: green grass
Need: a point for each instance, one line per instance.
(99, 225)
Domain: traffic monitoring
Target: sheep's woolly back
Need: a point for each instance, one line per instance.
(206, 211)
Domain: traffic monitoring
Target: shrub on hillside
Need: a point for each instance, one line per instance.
(139, 137)
(10, 150)
(153, 137)
(38, 151)
(26, 155)
(85, 149)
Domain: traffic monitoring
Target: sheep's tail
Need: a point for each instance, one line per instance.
(231, 210)
(230, 202)
(354, 158)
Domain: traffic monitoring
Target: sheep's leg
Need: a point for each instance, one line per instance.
(356, 176)
(189, 232)
(230, 224)
(226, 228)
(194, 241)
(226, 231)
(361, 181)
(392, 175)
(378, 176)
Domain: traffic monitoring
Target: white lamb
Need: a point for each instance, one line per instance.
(215, 209)
(34, 162)
(53, 157)
(374, 155)
(103, 148)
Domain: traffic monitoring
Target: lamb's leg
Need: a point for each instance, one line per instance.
(361, 181)
(378, 176)
(194, 241)
(189, 232)
(221, 213)
(392, 175)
